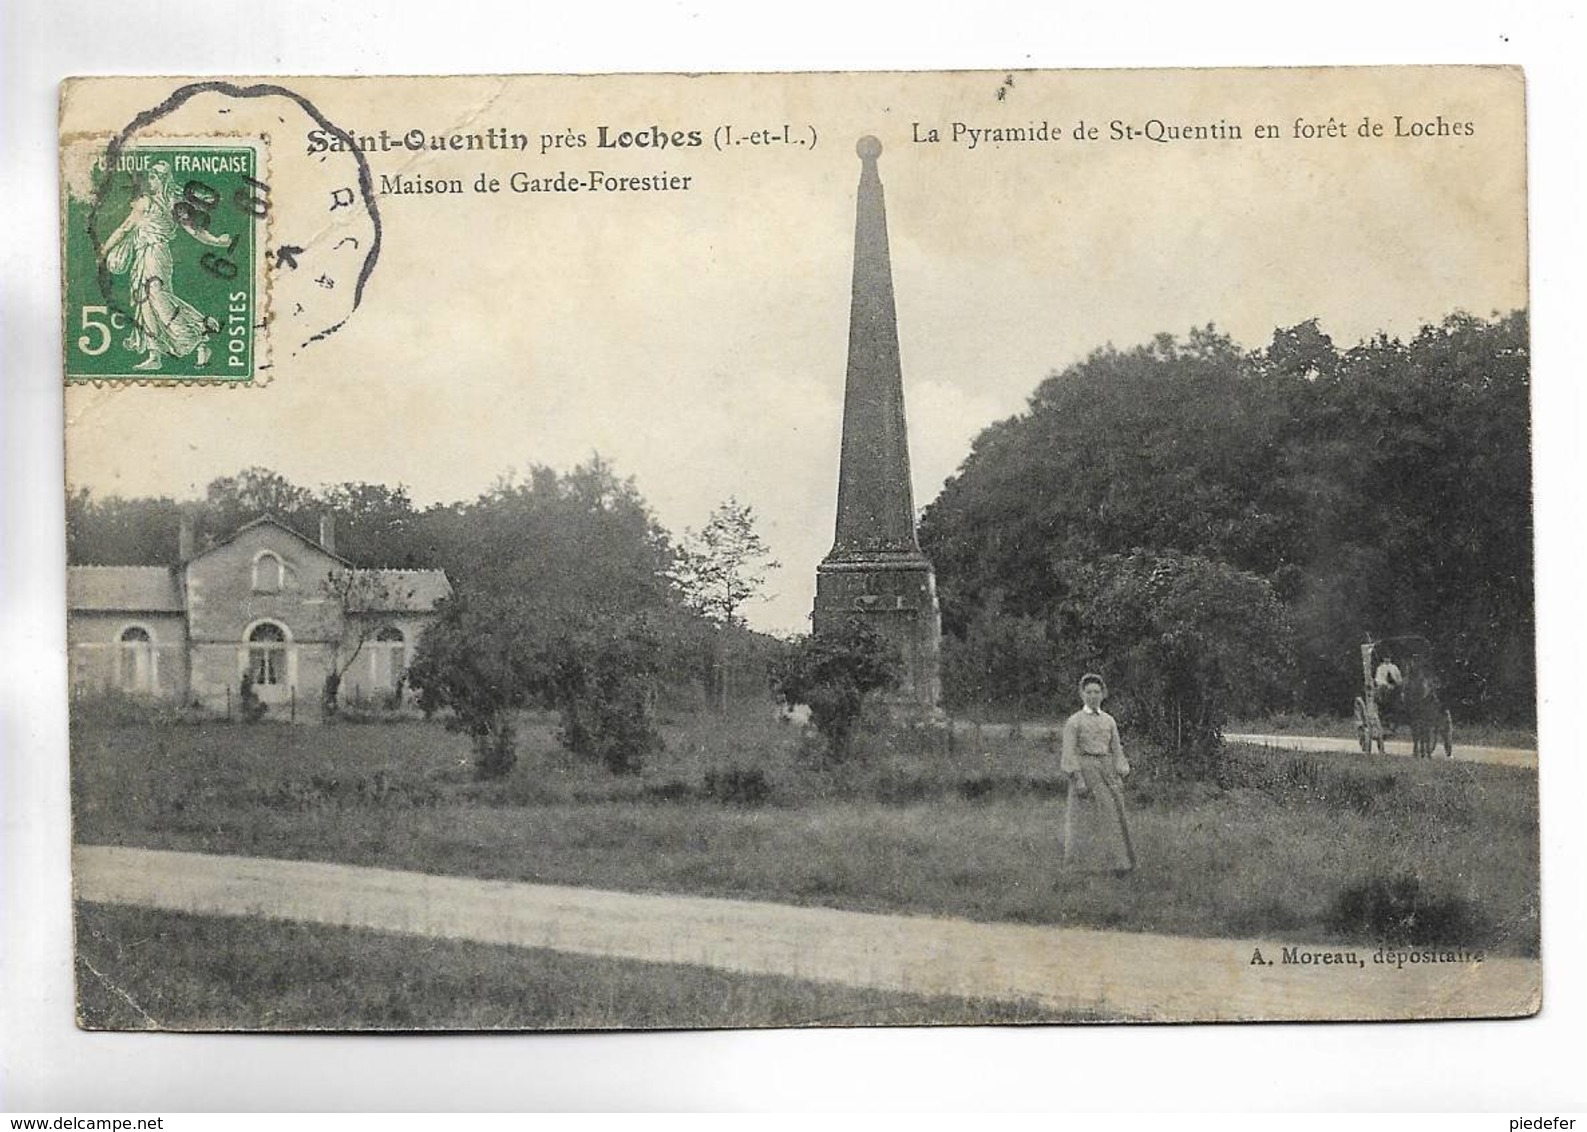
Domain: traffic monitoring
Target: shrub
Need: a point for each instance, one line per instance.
(497, 749)
(250, 705)
(1190, 640)
(474, 663)
(671, 790)
(832, 671)
(733, 786)
(118, 709)
(380, 790)
(601, 684)
(1398, 911)
(999, 787)
(1355, 787)
(1335, 787)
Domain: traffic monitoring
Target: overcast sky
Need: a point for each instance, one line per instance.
(697, 339)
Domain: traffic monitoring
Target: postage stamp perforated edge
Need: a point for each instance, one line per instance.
(78, 153)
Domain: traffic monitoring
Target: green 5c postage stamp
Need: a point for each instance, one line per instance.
(162, 271)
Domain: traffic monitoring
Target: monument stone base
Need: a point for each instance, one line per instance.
(897, 596)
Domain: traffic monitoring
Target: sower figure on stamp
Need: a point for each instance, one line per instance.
(1093, 761)
(140, 248)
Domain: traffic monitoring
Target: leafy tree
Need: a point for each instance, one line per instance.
(557, 544)
(602, 683)
(1016, 660)
(144, 532)
(1425, 523)
(1186, 640)
(121, 532)
(471, 662)
(1169, 446)
(719, 570)
(724, 566)
(232, 501)
(357, 591)
(833, 672)
(376, 525)
(1381, 489)
(486, 659)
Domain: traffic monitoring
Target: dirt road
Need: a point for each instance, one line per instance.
(1503, 756)
(1110, 974)
(1464, 752)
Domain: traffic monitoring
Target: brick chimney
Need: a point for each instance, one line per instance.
(184, 538)
(328, 533)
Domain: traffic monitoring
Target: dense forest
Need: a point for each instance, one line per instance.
(1381, 490)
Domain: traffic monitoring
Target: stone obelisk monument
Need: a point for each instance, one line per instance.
(876, 570)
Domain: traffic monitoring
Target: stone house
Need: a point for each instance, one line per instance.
(264, 602)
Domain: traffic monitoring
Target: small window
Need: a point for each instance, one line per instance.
(268, 572)
(267, 654)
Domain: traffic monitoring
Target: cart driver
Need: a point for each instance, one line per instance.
(1386, 680)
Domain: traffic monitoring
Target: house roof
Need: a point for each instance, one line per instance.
(399, 591)
(270, 521)
(157, 589)
(127, 589)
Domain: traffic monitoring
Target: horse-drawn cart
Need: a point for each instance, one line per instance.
(1398, 688)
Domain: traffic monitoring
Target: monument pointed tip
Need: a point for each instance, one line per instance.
(869, 148)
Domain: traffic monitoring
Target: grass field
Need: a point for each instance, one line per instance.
(139, 969)
(1310, 847)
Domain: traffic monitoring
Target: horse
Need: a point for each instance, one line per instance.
(1430, 721)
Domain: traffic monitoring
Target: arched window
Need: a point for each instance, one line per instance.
(267, 654)
(135, 659)
(269, 573)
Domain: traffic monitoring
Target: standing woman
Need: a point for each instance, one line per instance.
(140, 248)
(1093, 760)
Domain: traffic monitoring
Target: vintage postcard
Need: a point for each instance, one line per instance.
(764, 550)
